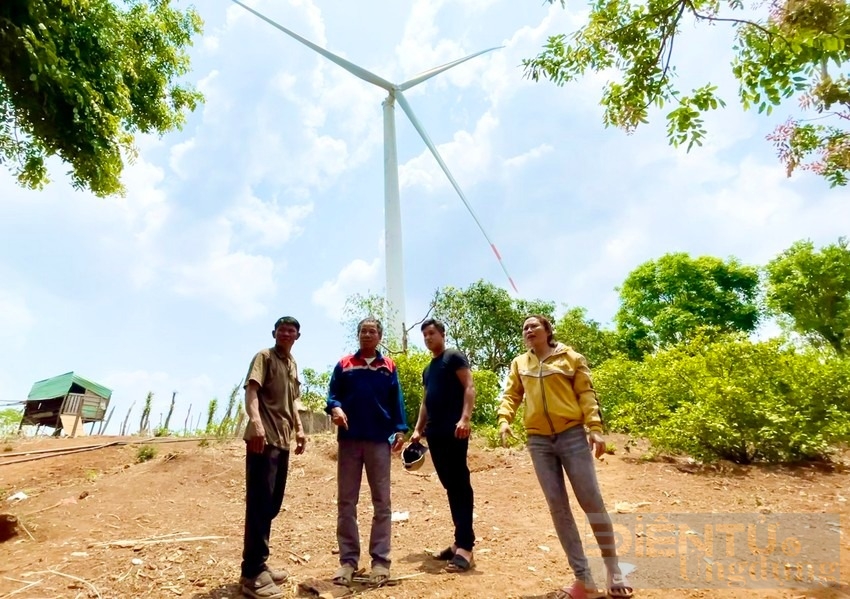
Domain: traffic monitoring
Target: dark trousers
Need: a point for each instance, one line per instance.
(449, 456)
(265, 481)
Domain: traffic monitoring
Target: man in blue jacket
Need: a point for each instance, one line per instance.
(366, 404)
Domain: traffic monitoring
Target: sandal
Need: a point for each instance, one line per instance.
(379, 576)
(618, 587)
(444, 555)
(343, 576)
(459, 563)
(576, 590)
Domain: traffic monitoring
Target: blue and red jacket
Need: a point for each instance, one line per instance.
(370, 395)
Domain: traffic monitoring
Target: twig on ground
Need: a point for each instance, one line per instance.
(72, 577)
(26, 530)
(125, 575)
(44, 509)
(28, 585)
(124, 543)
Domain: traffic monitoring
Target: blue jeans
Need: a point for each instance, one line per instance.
(552, 456)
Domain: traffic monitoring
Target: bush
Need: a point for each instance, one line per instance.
(730, 398)
(490, 433)
(488, 393)
(10, 419)
(145, 453)
(410, 367)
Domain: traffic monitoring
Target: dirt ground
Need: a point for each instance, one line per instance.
(104, 525)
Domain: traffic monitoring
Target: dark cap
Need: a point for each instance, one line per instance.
(287, 320)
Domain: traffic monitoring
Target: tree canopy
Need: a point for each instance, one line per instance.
(79, 78)
(586, 336)
(811, 289)
(788, 49)
(485, 322)
(664, 301)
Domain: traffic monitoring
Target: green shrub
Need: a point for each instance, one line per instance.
(145, 453)
(487, 397)
(730, 398)
(490, 432)
(410, 367)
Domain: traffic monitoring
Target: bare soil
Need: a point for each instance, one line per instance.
(102, 524)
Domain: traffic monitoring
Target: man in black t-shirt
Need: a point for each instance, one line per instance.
(444, 419)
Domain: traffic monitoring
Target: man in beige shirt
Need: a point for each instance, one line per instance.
(271, 392)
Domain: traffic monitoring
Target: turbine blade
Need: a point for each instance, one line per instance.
(348, 66)
(402, 101)
(437, 70)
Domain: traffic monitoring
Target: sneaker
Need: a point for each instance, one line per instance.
(262, 586)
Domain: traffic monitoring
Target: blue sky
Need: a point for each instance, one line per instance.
(270, 201)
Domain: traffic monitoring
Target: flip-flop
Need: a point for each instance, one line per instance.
(379, 576)
(618, 587)
(459, 563)
(444, 555)
(576, 590)
(343, 576)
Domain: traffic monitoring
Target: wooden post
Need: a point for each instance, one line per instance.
(186, 422)
(78, 419)
(170, 411)
(127, 419)
(103, 424)
(58, 424)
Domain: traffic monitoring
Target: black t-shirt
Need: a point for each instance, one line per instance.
(444, 392)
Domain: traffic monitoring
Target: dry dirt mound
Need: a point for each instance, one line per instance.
(102, 524)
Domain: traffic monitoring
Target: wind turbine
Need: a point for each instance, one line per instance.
(392, 206)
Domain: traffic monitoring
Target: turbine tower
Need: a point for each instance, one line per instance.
(392, 207)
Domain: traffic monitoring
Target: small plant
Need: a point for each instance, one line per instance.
(145, 453)
(92, 475)
(610, 448)
(204, 443)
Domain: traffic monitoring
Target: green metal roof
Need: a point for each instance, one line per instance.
(58, 386)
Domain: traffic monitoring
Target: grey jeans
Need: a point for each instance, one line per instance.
(351, 459)
(569, 452)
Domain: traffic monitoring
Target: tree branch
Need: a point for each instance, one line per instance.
(770, 34)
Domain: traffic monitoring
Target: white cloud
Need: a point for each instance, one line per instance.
(268, 223)
(468, 156)
(216, 101)
(211, 43)
(356, 276)
(234, 281)
(237, 15)
(421, 50)
(313, 161)
(521, 160)
(146, 205)
(752, 212)
(178, 152)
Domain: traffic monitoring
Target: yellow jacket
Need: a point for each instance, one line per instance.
(558, 393)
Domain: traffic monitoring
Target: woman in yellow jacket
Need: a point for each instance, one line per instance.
(560, 404)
